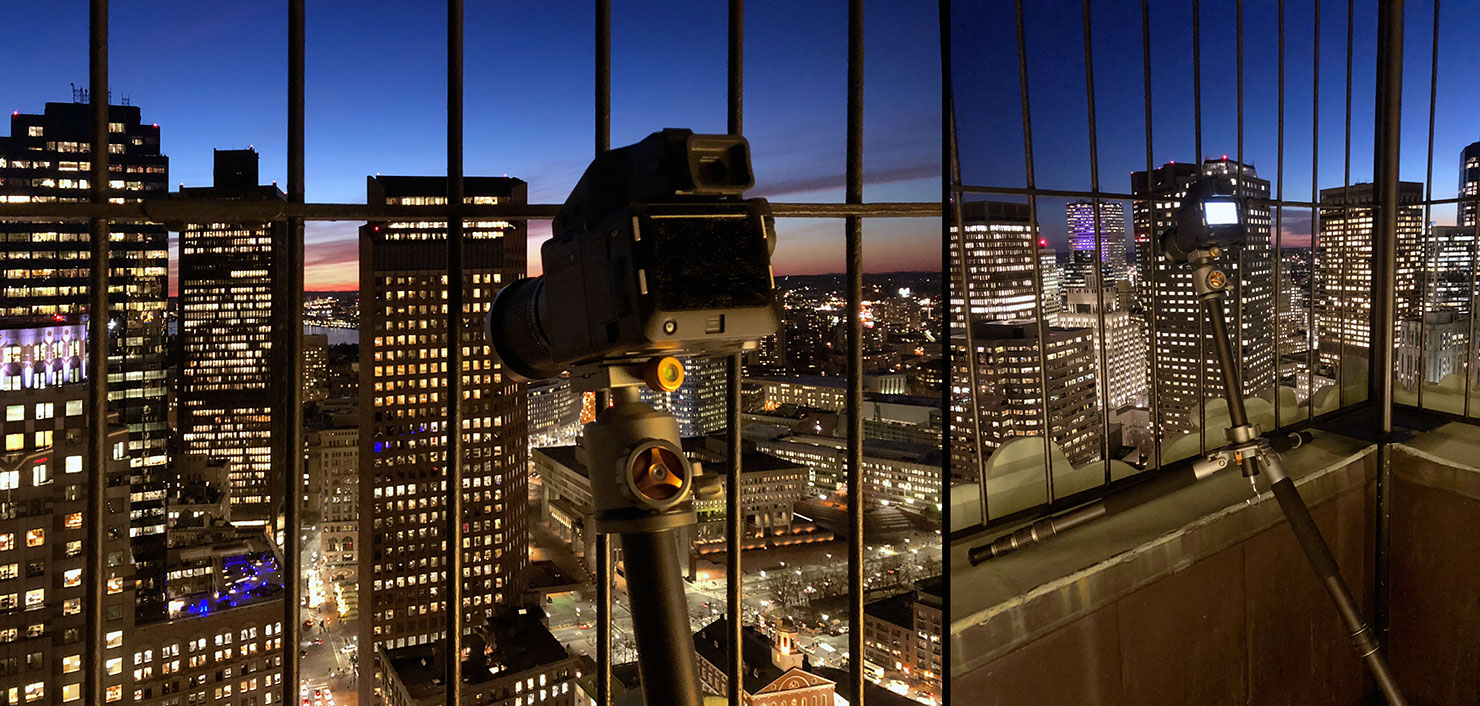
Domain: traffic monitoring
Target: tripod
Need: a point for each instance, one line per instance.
(1253, 454)
(642, 487)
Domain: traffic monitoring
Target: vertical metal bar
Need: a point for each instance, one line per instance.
(1094, 181)
(973, 410)
(853, 238)
(603, 129)
(1385, 182)
(1279, 171)
(287, 316)
(1470, 338)
(1202, 336)
(1022, 47)
(1279, 185)
(1425, 232)
(1151, 239)
(453, 532)
(1315, 198)
(735, 659)
(97, 351)
(1346, 221)
(1241, 253)
(1386, 131)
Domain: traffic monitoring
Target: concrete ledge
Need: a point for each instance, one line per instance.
(1095, 615)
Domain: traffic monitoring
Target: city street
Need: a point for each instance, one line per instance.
(328, 646)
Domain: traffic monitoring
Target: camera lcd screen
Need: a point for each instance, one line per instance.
(1220, 213)
(707, 261)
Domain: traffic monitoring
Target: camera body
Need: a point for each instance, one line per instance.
(654, 253)
(1211, 216)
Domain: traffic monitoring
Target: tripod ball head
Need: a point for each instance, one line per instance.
(1211, 216)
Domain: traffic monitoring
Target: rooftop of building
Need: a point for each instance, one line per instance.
(514, 641)
(712, 642)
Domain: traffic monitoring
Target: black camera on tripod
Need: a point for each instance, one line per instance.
(1211, 216)
(654, 253)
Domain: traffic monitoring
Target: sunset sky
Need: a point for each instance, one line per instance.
(213, 75)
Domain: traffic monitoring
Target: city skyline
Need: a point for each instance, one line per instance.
(369, 84)
(989, 94)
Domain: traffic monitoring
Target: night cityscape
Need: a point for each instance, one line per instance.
(197, 524)
(1003, 353)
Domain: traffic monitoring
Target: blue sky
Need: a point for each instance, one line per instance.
(986, 83)
(213, 75)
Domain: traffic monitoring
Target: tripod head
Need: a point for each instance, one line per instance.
(1211, 217)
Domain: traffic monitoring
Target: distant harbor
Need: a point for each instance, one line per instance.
(336, 334)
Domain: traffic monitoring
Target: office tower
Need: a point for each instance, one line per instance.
(1053, 290)
(315, 367)
(999, 243)
(334, 460)
(1344, 301)
(1433, 345)
(699, 403)
(44, 369)
(1469, 182)
(47, 159)
(1188, 370)
(1123, 345)
(403, 403)
(553, 413)
(1010, 399)
(226, 376)
(1080, 216)
(1450, 256)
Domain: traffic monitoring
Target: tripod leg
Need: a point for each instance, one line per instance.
(1329, 574)
(660, 620)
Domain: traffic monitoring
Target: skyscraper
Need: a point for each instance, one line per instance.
(1344, 301)
(226, 275)
(1010, 400)
(403, 329)
(1189, 371)
(1469, 181)
(46, 159)
(1124, 373)
(1450, 254)
(1080, 216)
(999, 243)
(44, 370)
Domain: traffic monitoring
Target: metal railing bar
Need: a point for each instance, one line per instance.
(969, 356)
(1279, 170)
(1238, 329)
(734, 372)
(1425, 230)
(603, 126)
(1346, 217)
(853, 246)
(179, 211)
(97, 329)
(1153, 247)
(1202, 324)
(287, 317)
(1312, 353)
(1094, 182)
(1387, 130)
(1033, 254)
(452, 516)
